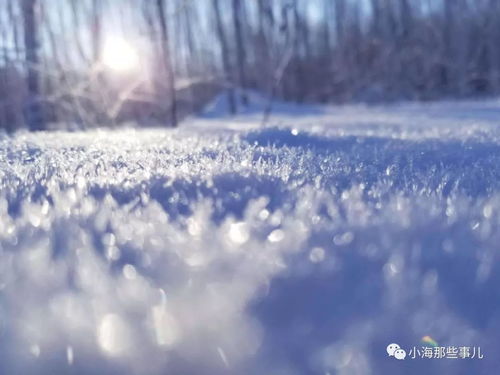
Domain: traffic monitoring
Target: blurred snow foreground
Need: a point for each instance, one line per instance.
(224, 247)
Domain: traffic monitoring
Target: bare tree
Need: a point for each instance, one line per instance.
(300, 84)
(96, 30)
(225, 56)
(340, 10)
(167, 59)
(33, 111)
(493, 35)
(406, 18)
(240, 47)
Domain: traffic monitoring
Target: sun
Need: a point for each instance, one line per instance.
(119, 55)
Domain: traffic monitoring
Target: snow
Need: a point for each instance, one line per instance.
(257, 103)
(225, 247)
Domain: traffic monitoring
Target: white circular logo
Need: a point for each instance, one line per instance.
(400, 354)
(391, 348)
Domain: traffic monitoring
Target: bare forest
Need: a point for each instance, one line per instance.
(53, 66)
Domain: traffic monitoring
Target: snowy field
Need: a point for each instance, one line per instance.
(224, 247)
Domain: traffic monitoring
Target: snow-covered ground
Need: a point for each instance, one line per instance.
(225, 247)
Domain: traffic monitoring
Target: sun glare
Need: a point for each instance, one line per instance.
(119, 55)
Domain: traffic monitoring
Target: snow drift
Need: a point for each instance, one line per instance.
(301, 248)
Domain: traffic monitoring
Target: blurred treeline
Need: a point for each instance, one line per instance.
(300, 50)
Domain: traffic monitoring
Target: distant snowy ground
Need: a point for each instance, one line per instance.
(225, 247)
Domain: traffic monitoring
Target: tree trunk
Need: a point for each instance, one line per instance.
(406, 18)
(300, 79)
(340, 14)
(167, 60)
(33, 110)
(225, 56)
(96, 31)
(377, 12)
(493, 33)
(240, 49)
